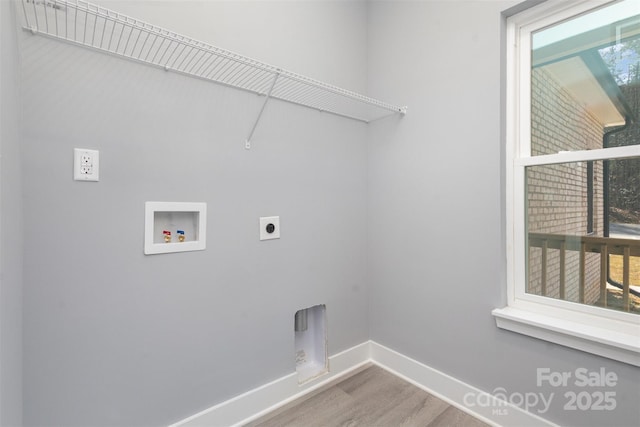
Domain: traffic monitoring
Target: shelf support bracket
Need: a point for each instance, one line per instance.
(247, 142)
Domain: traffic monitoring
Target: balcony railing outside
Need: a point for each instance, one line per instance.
(604, 246)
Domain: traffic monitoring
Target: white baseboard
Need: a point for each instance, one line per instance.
(453, 391)
(266, 398)
(269, 397)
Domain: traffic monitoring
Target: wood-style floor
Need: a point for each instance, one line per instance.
(372, 397)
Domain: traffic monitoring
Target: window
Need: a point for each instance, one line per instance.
(572, 136)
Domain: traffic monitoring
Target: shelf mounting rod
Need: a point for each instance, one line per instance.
(247, 143)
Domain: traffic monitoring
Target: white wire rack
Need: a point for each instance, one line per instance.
(96, 27)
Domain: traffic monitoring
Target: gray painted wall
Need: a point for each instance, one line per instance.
(113, 337)
(10, 224)
(436, 239)
(371, 226)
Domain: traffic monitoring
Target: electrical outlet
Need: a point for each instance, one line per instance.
(269, 227)
(86, 164)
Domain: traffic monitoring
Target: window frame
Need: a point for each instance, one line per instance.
(608, 333)
(590, 199)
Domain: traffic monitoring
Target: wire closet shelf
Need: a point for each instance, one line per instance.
(89, 25)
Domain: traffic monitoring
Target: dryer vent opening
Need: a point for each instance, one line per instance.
(311, 343)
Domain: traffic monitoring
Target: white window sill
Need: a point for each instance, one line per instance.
(608, 339)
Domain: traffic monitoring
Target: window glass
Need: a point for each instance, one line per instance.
(585, 79)
(583, 217)
(580, 253)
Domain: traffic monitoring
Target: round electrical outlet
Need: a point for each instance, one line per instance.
(269, 227)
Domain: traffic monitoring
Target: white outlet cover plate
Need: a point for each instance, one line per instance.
(83, 169)
(266, 220)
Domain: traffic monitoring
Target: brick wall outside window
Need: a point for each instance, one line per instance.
(557, 196)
